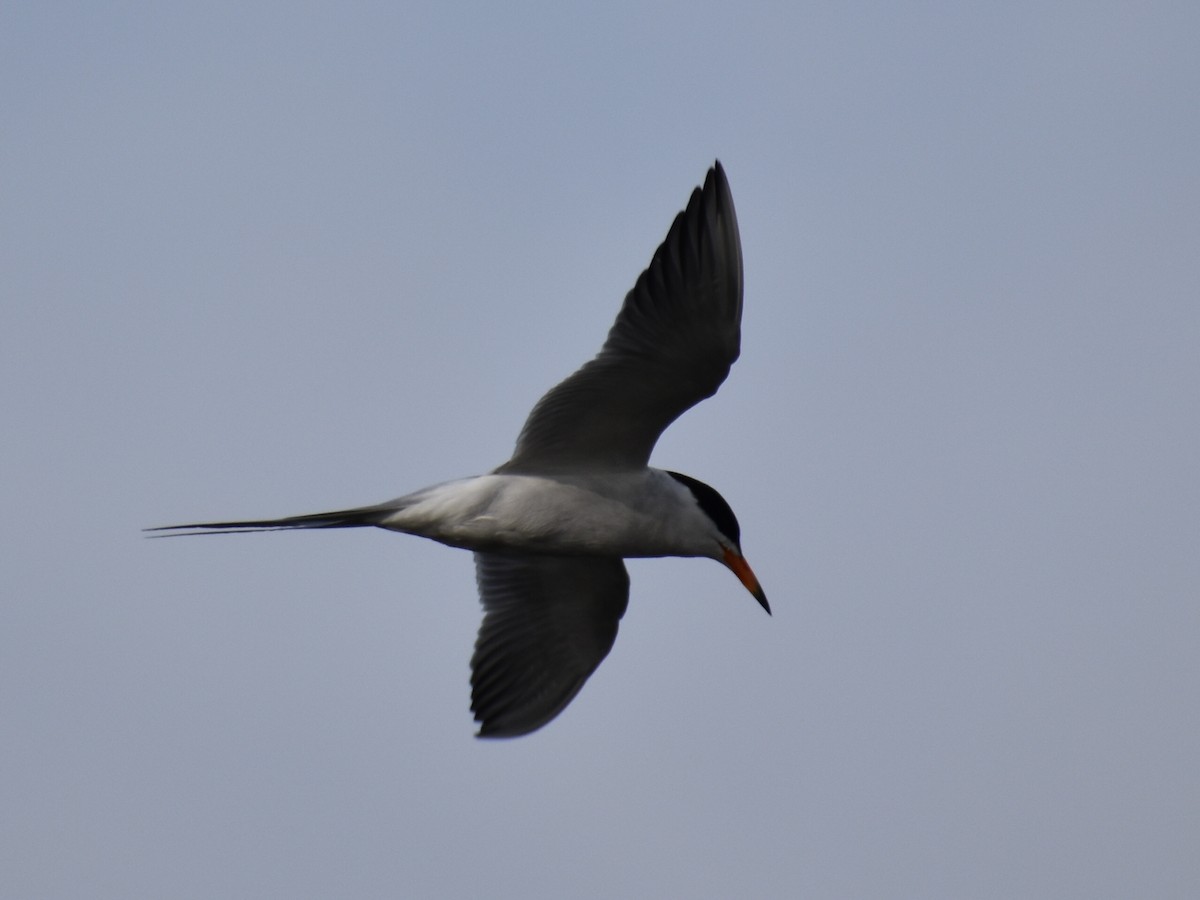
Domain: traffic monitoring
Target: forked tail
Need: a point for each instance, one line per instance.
(360, 517)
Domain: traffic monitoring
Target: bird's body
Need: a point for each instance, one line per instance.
(641, 513)
(551, 526)
(617, 514)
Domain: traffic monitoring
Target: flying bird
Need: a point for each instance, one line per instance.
(550, 528)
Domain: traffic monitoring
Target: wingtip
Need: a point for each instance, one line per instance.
(716, 186)
(715, 179)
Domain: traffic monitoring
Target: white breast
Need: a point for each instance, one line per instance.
(642, 513)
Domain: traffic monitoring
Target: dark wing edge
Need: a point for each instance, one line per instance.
(701, 256)
(671, 346)
(549, 621)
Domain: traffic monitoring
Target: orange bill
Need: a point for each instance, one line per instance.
(738, 566)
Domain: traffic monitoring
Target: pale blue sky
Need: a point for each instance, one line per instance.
(264, 259)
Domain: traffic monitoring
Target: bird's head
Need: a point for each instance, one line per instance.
(713, 505)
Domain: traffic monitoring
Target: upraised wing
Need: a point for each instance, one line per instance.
(671, 346)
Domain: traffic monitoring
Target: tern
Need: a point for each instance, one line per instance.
(551, 528)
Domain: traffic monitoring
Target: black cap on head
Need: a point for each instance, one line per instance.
(714, 507)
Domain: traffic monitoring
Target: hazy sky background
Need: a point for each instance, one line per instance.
(265, 259)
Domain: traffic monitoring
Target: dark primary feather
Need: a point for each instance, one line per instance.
(670, 347)
(548, 623)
